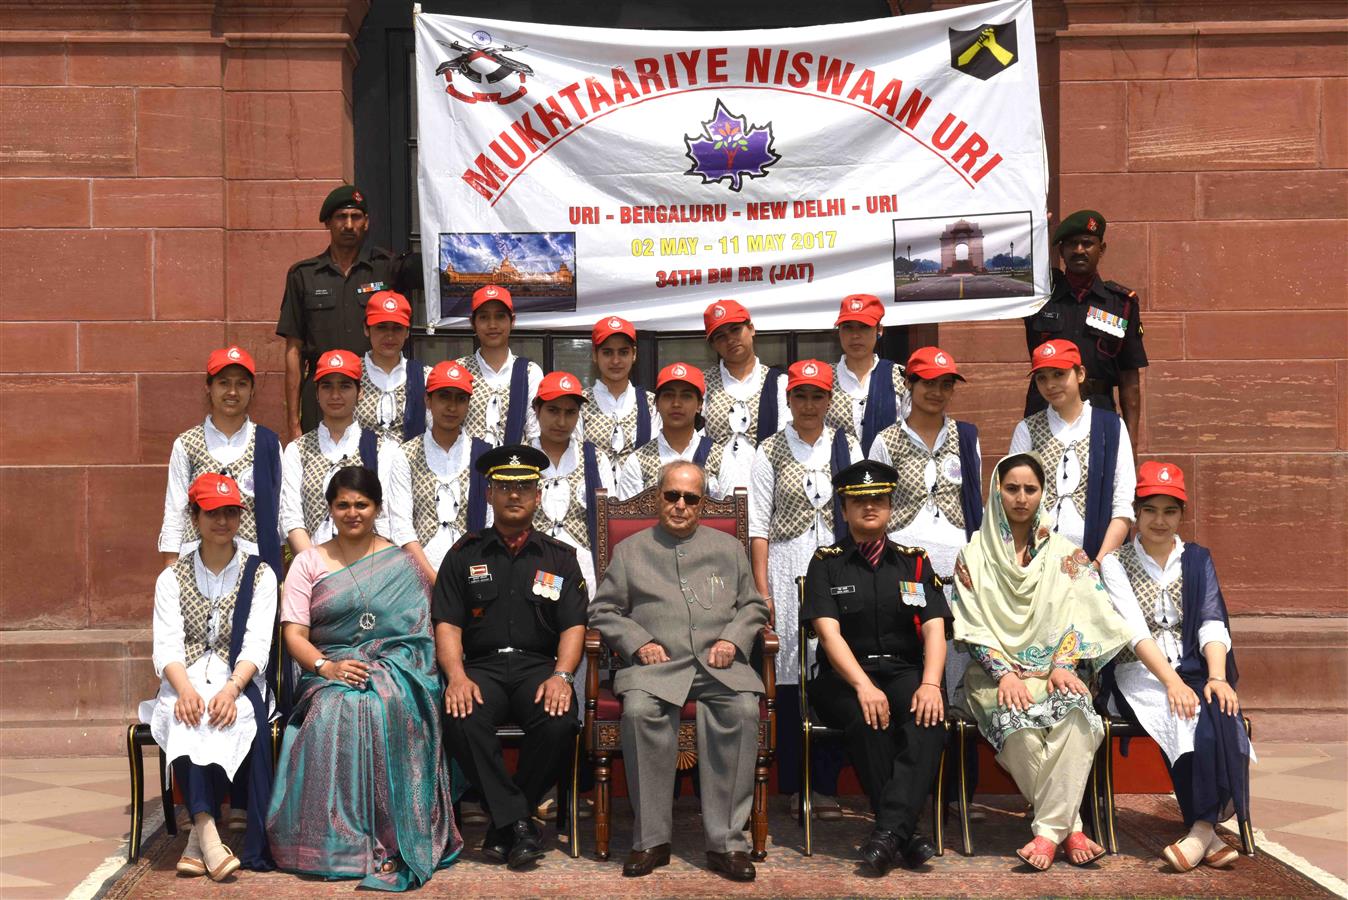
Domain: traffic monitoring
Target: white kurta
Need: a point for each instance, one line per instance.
(226, 450)
(387, 383)
(732, 474)
(499, 379)
(205, 744)
(788, 560)
(741, 444)
(446, 465)
(1068, 475)
(292, 480)
(1143, 690)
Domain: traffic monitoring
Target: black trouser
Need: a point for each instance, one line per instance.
(508, 683)
(897, 766)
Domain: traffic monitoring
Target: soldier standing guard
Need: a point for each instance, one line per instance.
(1103, 318)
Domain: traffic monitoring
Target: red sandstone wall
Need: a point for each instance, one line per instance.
(159, 169)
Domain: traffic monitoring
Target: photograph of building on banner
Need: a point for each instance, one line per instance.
(538, 268)
(594, 174)
(972, 257)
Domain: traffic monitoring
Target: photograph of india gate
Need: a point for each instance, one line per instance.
(968, 258)
(538, 268)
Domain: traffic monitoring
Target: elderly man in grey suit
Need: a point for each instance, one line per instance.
(678, 604)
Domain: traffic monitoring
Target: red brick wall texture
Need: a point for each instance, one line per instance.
(160, 167)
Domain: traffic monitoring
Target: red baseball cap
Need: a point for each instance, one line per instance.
(449, 374)
(860, 308)
(607, 328)
(809, 371)
(338, 362)
(560, 384)
(212, 490)
(680, 371)
(492, 292)
(723, 312)
(388, 306)
(230, 356)
(1057, 354)
(1161, 478)
(929, 363)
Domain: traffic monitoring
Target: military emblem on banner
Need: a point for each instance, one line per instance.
(483, 74)
(985, 51)
(730, 149)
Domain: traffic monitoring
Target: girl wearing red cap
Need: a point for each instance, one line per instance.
(1088, 458)
(434, 494)
(1177, 677)
(745, 400)
(504, 384)
(228, 442)
(792, 513)
(616, 414)
(213, 614)
(679, 389)
(576, 470)
(392, 399)
(310, 461)
(871, 393)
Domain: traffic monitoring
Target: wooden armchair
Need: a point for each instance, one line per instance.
(616, 520)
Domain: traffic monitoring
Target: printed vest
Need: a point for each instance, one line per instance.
(425, 487)
(1053, 450)
(196, 613)
(648, 457)
(573, 521)
(719, 405)
(599, 426)
(839, 414)
(1148, 592)
(792, 512)
(475, 424)
(367, 408)
(910, 461)
(200, 460)
(314, 480)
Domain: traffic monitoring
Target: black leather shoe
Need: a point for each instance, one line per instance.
(917, 851)
(496, 845)
(734, 865)
(644, 862)
(527, 847)
(879, 849)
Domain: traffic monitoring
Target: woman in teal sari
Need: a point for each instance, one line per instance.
(363, 786)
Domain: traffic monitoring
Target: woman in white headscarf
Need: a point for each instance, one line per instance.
(1032, 611)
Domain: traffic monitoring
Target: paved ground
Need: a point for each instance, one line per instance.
(63, 824)
(962, 287)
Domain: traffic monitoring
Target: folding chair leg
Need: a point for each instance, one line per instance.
(806, 805)
(137, 765)
(938, 802)
(962, 730)
(1111, 840)
(166, 795)
(572, 802)
(1246, 829)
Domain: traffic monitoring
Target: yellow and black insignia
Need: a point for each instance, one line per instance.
(985, 51)
(826, 552)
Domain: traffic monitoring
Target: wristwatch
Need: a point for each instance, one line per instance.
(318, 665)
(565, 676)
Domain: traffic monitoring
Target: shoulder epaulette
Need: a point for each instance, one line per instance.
(908, 551)
(826, 552)
(466, 540)
(549, 540)
(1120, 289)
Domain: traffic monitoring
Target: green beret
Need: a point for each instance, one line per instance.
(1083, 221)
(348, 195)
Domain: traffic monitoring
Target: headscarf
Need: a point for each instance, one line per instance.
(1025, 612)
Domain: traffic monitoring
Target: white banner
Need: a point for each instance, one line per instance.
(598, 171)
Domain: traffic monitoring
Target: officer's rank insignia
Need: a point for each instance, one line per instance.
(547, 585)
(985, 51)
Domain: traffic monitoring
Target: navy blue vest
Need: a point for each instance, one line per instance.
(882, 406)
(256, 852)
(414, 410)
(1105, 430)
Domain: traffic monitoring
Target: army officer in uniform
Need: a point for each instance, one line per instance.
(881, 617)
(509, 612)
(1101, 317)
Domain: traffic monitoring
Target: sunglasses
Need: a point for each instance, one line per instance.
(688, 497)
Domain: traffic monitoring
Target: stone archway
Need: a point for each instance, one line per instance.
(969, 234)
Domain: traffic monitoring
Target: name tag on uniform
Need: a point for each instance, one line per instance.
(547, 585)
(843, 589)
(912, 593)
(321, 292)
(478, 574)
(1107, 322)
(370, 288)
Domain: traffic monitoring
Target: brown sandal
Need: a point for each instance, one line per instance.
(1222, 858)
(1173, 855)
(1077, 840)
(1042, 846)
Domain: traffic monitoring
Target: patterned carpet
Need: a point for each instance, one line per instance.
(1146, 823)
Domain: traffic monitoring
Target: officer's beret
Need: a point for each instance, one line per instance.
(348, 195)
(1083, 221)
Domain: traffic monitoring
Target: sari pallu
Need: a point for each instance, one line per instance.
(363, 777)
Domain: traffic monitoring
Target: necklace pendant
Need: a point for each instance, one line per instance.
(366, 621)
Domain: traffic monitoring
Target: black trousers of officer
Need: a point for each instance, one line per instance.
(508, 682)
(897, 766)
